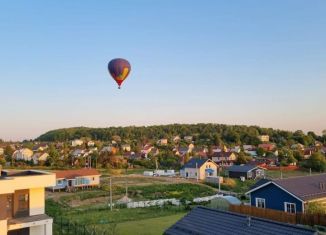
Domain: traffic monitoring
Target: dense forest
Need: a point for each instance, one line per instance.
(210, 134)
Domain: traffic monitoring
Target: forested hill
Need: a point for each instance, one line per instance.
(202, 133)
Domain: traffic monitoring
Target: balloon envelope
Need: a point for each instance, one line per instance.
(119, 70)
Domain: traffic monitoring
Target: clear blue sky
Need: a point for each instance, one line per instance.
(234, 62)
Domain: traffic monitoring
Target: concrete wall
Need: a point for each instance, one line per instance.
(10, 184)
(36, 201)
(3, 227)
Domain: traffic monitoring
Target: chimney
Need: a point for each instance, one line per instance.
(248, 221)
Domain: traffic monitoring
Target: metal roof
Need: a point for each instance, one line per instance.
(195, 162)
(241, 168)
(303, 187)
(206, 221)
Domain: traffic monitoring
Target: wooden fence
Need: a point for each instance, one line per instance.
(283, 168)
(280, 216)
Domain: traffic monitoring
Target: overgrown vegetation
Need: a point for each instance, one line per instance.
(202, 133)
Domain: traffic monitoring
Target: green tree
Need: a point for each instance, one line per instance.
(261, 152)
(242, 159)
(316, 162)
(54, 156)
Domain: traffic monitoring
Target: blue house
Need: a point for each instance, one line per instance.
(290, 195)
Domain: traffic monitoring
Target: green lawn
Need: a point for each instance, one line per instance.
(155, 226)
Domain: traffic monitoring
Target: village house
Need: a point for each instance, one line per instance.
(38, 157)
(323, 150)
(162, 142)
(188, 138)
(76, 143)
(108, 149)
(78, 153)
(22, 200)
(40, 147)
(70, 180)
(263, 138)
(181, 151)
(176, 139)
(24, 154)
(252, 153)
(298, 146)
(146, 150)
(2, 151)
(307, 152)
(268, 147)
(126, 147)
(235, 149)
(291, 194)
(224, 158)
(246, 171)
(199, 169)
(207, 221)
(201, 152)
(248, 147)
(216, 149)
(90, 143)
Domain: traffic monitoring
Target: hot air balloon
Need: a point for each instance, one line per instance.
(119, 70)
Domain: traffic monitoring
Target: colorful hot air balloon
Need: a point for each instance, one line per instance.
(119, 70)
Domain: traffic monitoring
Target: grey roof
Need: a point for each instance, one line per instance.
(305, 187)
(206, 221)
(241, 168)
(223, 154)
(192, 163)
(259, 183)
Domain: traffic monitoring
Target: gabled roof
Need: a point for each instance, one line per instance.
(195, 163)
(242, 168)
(222, 154)
(71, 174)
(303, 187)
(206, 221)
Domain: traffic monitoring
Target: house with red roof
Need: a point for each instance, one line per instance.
(71, 180)
(267, 146)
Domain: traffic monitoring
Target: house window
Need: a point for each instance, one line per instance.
(289, 207)
(93, 178)
(59, 182)
(260, 202)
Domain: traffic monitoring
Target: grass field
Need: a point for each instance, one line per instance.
(153, 220)
(154, 226)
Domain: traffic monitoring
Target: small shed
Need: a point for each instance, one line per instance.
(246, 171)
(223, 202)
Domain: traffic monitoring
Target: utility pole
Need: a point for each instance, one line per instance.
(219, 179)
(110, 193)
(197, 171)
